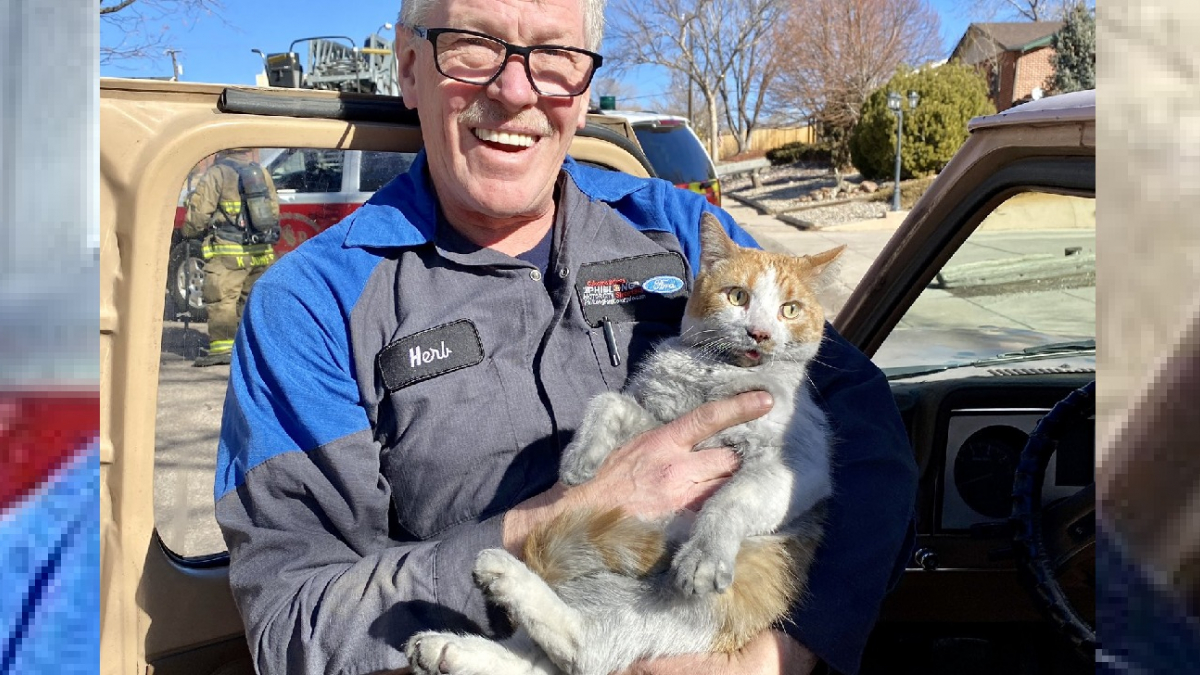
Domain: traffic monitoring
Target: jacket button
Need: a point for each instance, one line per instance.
(536, 275)
(563, 272)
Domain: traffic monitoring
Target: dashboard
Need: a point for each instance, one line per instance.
(967, 433)
(981, 453)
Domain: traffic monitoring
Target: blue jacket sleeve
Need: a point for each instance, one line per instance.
(320, 583)
(870, 530)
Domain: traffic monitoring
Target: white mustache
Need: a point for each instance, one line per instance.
(485, 112)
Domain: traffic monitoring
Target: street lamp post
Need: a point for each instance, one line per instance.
(895, 104)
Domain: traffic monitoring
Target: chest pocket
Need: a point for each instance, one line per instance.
(630, 304)
(446, 430)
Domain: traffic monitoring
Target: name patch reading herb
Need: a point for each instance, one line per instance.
(429, 353)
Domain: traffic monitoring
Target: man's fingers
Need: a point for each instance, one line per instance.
(711, 463)
(700, 492)
(716, 416)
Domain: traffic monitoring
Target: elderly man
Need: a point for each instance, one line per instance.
(404, 383)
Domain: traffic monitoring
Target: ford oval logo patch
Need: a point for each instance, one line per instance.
(663, 285)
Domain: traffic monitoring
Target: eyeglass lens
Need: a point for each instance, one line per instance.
(476, 59)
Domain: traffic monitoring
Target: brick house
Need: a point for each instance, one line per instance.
(1015, 57)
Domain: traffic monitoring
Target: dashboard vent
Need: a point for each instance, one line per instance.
(1009, 372)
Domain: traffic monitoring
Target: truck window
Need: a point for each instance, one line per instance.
(378, 168)
(308, 170)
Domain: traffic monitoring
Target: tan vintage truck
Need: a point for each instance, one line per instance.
(958, 271)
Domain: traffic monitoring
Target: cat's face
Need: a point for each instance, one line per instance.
(749, 307)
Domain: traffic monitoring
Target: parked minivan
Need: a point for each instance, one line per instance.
(674, 151)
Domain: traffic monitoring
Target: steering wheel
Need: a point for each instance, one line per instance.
(1055, 540)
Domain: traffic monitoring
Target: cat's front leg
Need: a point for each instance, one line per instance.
(434, 653)
(553, 626)
(610, 421)
(754, 501)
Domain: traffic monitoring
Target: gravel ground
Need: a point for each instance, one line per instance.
(783, 186)
(842, 213)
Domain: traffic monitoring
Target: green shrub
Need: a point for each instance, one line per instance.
(951, 94)
(798, 151)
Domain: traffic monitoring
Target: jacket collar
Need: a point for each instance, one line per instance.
(404, 213)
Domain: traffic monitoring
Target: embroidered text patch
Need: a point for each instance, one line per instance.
(641, 288)
(429, 353)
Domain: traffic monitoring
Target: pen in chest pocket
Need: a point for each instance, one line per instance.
(610, 340)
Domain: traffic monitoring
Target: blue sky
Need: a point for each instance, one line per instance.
(212, 50)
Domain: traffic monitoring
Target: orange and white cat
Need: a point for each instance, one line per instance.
(599, 590)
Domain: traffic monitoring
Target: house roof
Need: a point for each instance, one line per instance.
(1020, 35)
(1017, 36)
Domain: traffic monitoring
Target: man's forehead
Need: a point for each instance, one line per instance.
(533, 20)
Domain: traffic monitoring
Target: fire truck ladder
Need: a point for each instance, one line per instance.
(334, 66)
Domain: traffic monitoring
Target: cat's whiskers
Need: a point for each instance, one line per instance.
(718, 337)
(716, 346)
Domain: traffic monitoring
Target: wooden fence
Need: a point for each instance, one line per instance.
(765, 139)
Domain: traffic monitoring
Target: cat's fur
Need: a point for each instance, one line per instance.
(599, 589)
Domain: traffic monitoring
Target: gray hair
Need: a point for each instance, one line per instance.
(414, 13)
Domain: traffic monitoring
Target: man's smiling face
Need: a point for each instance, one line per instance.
(495, 151)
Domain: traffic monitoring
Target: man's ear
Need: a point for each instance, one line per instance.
(406, 65)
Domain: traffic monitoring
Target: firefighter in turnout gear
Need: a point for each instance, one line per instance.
(235, 209)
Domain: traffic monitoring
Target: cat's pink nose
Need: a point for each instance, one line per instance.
(758, 335)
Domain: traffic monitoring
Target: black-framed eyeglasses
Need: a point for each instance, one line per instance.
(478, 58)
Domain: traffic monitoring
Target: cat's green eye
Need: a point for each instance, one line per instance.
(790, 310)
(737, 297)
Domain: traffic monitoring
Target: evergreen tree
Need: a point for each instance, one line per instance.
(1074, 57)
(951, 94)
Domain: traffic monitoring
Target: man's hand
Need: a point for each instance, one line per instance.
(771, 653)
(655, 474)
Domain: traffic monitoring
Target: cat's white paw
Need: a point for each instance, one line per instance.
(432, 652)
(700, 571)
(610, 421)
(426, 652)
(495, 572)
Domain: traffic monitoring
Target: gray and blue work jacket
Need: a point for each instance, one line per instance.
(395, 389)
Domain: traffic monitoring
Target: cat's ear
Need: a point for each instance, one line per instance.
(825, 266)
(715, 244)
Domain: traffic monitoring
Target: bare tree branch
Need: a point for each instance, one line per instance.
(114, 8)
(833, 53)
(145, 26)
(709, 44)
(1017, 10)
